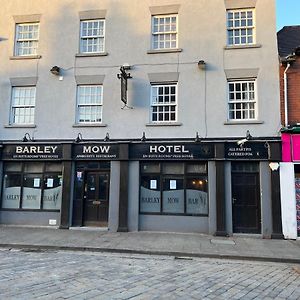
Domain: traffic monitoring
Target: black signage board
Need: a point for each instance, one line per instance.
(124, 76)
(32, 152)
(249, 150)
(124, 89)
(96, 152)
(171, 151)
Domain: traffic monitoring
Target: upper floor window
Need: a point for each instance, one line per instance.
(242, 100)
(240, 27)
(27, 38)
(164, 103)
(89, 104)
(164, 32)
(23, 105)
(92, 34)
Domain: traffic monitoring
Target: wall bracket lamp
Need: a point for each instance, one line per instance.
(107, 138)
(201, 64)
(78, 138)
(55, 70)
(244, 140)
(143, 139)
(27, 138)
(197, 138)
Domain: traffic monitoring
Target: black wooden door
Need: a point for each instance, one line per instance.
(246, 203)
(96, 199)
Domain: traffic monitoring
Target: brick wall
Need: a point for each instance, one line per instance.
(293, 93)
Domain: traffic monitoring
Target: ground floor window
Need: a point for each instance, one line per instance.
(32, 185)
(174, 188)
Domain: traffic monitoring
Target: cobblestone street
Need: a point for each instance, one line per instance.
(85, 275)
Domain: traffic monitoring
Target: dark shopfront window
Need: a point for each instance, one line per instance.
(34, 186)
(174, 188)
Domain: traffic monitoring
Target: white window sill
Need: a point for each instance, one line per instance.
(159, 51)
(232, 47)
(89, 125)
(25, 57)
(164, 124)
(242, 122)
(91, 54)
(20, 126)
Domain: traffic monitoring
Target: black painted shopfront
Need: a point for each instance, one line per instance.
(245, 185)
(92, 183)
(33, 183)
(175, 180)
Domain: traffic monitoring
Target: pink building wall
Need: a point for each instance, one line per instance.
(290, 147)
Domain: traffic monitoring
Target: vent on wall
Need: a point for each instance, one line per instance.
(52, 222)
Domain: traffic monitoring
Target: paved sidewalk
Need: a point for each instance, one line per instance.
(175, 244)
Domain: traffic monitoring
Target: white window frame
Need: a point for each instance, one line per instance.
(240, 27)
(91, 104)
(21, 41)
(238, 103)
(157, 105)
(91, 37)
(27, 106)
(163, 33)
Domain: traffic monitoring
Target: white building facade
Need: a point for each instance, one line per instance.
(162, 154)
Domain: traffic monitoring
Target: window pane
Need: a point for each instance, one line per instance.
(240, 27)
(91, 186)
(240, 95)
(26, 39)
(32, 191)
(23, 105)
(196, 168)
(92, 36)
(164, 94)
(89, 103)
(79, 182)
(173, 168)
(53, 167)
(173, 195)
(197, 196)
(52, 191)
(11, 167)
(150, 194)
(33, 167)
(164, 32)
(11, 191)
(150, 168)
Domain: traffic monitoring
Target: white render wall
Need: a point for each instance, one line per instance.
(288, 200)
(202, 36)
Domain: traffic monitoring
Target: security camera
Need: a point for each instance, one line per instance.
(242, 142)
